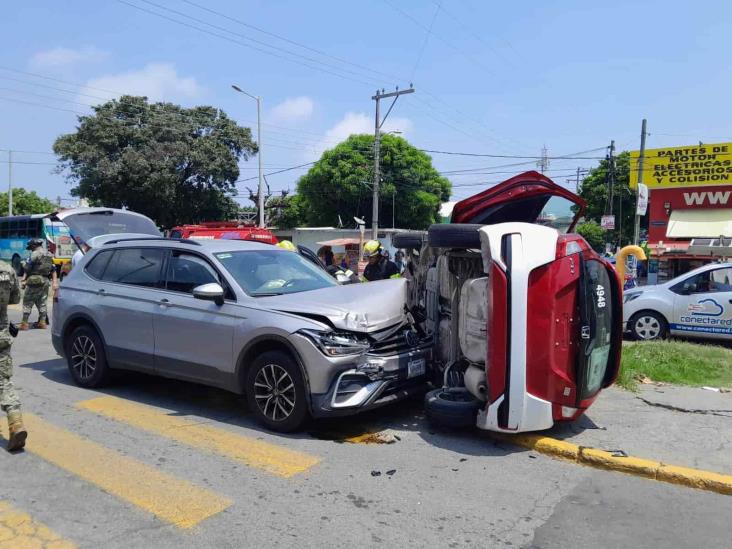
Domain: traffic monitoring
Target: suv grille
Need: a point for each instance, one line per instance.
(401, 342)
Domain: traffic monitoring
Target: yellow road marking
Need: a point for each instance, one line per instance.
(268, 457)
(170, 499)
(18, 530)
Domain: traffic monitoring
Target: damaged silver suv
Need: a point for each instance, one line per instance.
(247, 317)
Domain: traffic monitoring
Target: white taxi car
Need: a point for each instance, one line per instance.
(696, 304)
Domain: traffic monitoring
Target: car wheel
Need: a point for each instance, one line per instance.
(86, 358)
(464, 235)
(276, 392)
(453, 407)
(648, 325)
(408, 241)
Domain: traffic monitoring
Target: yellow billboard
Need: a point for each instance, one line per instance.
(687, 166)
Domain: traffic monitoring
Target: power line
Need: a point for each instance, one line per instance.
(426, 40)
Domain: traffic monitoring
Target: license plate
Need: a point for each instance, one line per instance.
(416, 368)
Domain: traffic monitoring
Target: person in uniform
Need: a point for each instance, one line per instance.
(38, 269)
(379, 267)
(9, 403)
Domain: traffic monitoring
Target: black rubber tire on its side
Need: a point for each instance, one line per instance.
(408, 241)
(455, 235)
(101, 373)
(300, 413)
(17, 265)
(662, 325)
(451, 407)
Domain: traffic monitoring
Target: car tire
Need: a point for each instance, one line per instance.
(86, 357)
(453, 407)
(407, 241)
(276, 392)
(454, 236)
(648, 326)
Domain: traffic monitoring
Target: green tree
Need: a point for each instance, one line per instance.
(26, 203)
(340, 183)
(595, 190)
(593, 234)
(284, 212)
(173, 164)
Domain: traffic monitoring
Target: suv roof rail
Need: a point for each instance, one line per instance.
(158, 238)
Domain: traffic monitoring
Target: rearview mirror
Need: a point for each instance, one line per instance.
(210, 292)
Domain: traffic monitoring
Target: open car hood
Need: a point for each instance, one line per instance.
(87, 223)
(366, 307)
(526, 198)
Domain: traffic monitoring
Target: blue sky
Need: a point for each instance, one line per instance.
(496, 78)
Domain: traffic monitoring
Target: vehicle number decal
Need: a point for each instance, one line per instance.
(600, 293)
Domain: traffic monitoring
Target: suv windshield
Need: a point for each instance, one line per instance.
(274, 272)
(597, 318)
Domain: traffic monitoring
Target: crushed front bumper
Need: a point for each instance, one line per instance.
(375, 380)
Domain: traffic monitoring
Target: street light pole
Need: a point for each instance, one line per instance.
(260, 187)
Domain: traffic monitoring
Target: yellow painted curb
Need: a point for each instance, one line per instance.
(600, 459)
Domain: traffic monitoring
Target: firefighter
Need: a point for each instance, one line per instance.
(379, 267)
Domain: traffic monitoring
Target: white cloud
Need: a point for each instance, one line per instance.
(60, 58)
(293, 110)
(356, 123)
(156, 81)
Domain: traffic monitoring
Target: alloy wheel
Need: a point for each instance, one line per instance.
(84, 357)
(647, 327)
(274, 392)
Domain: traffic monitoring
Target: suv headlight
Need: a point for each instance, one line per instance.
(627, 298)
(338, 343)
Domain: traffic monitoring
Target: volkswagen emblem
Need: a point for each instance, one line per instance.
(411, 338)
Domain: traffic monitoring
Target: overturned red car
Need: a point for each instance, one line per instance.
(525, 316)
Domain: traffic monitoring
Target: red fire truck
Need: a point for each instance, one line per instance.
(226, 230)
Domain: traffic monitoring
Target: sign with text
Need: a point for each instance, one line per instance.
(607, 222)
(642, 203)
(686, 166)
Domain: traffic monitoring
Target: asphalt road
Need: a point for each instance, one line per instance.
(156, 463)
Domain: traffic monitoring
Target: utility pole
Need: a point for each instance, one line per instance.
(260, 191)
(10, 182)
(636, 231)
(378, 123)
(611, 174)
(543, 162)
(576, 186)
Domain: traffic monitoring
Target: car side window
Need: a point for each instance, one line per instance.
(186, 271)
(95, 268)
(721, 280)
(135, 266)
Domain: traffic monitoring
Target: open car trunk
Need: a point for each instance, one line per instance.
(87, 223)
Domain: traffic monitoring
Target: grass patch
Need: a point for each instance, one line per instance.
(677, 362)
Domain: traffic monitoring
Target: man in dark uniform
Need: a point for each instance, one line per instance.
(379, 267)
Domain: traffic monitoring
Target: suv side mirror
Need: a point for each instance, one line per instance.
(210, 292)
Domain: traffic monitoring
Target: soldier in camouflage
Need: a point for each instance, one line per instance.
(38, 269)
(9, 403)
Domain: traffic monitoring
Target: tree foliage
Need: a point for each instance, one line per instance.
(340, 183)
(593, 234)
(173, 164)
(284, 212)
(26, 203)
(595, 190)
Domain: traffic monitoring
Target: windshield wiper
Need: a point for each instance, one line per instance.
(267, 294)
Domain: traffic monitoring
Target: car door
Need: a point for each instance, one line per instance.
(529, 197)
(193, 337)
(128, 282)
(703, 305)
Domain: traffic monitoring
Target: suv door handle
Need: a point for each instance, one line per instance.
(101, 291)
(164, 301)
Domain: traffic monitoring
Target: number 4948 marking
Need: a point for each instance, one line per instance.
(600, 293)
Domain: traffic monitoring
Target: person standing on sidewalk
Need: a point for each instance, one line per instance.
(9, 402)
(38, 269)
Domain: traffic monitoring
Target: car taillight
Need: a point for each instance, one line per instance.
(568, 244)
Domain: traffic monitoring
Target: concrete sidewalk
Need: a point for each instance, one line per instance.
(683, 426)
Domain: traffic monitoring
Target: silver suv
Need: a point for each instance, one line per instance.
(246, 317)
